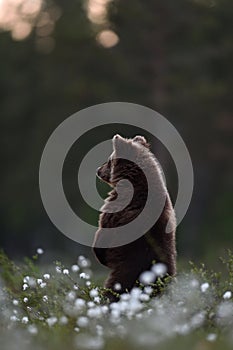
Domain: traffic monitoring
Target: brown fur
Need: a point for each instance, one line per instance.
(127, 262)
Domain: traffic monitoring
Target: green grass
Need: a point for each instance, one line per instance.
(61, 307)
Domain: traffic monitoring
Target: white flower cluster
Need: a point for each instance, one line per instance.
(141, 320)
(157, 270)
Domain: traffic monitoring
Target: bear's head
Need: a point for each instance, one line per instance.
(117, 167)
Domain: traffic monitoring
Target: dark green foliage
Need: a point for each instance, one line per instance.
(175, 57)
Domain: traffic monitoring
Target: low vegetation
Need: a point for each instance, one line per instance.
(63, 307)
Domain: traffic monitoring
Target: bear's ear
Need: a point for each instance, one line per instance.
(141, 140)
(120, 144)
(118, 141)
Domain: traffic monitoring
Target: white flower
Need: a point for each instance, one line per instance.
(94, 312)
(45, 298)
(125, 296)
(97, 300)
(183, 329)
(32, 329)
(81, 257)
(159, 269)
(148, 290)
(144, 297)
(75, 287)
(117, 286)
(211, 337)
(40, 251)
(104, 309)
(15, 302)
(14, 318)
(90, 304)
(88, 283)
(83, 262)
(135, 293)
(51, 321)
(115, 315)
(26, 279)
(227, 295)
(99, 330)
(39, 281)
(84, 275)
(225, 310)
(58, 269)
(71, 296)
(63, 320)
(43, 285)
(25, 320)
(46, 276)
(114, 306)
(194, 283)
(75, 268)
(204, 287)
(198, 319)
(25, 300)
(93, 293)
(25, 286)
(65, 272)
(32, 282)
(82, 321)
(79, 303)
(150, 311)
(147, 277)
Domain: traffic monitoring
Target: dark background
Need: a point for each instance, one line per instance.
(172, 56)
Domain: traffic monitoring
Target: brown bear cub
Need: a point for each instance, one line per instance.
(157, 244)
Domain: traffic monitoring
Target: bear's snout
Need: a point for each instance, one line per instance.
(103, 172)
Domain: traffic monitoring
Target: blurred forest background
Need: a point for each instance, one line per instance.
(58, 57)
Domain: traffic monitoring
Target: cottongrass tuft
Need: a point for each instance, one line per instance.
(211, 337)
(40, 251)
(75, 268)
(32, 329)
(227, 295)
(46, 276)
(25, 320)
(51, 321)
(83, 321)
(204, 287)
(159, 269)
(147, 277)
